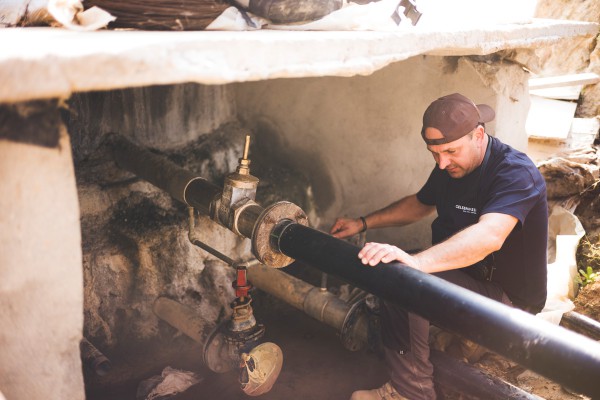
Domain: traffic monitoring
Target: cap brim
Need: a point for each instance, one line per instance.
(486, 112)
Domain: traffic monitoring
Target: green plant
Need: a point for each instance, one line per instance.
(586, 277)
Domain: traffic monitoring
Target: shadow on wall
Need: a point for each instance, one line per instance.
(162, 117)
(278, 165)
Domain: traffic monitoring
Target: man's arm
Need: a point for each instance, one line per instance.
(402, 212)
(464, 248)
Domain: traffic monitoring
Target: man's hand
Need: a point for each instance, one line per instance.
(346, 227)
(374, 253)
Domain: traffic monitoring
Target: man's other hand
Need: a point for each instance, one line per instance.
(374, 253)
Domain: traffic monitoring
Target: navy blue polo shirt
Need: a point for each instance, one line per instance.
(509, 184)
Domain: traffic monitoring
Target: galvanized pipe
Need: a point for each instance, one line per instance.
(183, 185)
(184, 318)
(216, 353)
(320, 305)
(563, 356)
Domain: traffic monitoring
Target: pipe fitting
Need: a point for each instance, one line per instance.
(238, 224)
(262, 247)
(238, 191)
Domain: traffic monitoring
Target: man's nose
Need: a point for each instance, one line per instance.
(443, 161)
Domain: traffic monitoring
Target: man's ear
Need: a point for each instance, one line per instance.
(479, 132)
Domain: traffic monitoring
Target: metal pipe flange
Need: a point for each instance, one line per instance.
(262, 248)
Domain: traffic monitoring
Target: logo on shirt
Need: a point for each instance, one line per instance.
(468, 210)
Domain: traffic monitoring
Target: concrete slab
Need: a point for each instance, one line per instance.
(549, 118)
(51, 62)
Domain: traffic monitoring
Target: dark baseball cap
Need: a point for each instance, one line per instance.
(454, 116)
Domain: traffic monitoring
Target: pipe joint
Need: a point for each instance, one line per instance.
(265, 232)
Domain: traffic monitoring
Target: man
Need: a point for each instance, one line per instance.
(489, 236)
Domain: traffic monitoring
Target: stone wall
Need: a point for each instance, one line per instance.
(573, 55)
(134, 235)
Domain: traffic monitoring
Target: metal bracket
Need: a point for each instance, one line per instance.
(197, 242)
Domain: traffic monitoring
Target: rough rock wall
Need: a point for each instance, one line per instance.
(134, 235)
(159, 116)
(573, 55)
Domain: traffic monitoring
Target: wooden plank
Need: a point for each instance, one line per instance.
(586, 78)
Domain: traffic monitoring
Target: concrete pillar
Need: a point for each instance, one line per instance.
(41, 285)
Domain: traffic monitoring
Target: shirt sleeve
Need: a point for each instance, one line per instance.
(515, 192)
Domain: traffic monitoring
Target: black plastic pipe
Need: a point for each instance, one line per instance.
(565, 357)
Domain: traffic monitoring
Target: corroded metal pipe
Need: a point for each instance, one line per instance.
(183, 185)
(93, 358)
(473, 382)
(217, 355)
(348, 320)
(184, 318)
(563, 356)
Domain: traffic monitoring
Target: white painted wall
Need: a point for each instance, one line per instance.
(359, 138)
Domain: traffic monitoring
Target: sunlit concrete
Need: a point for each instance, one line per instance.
(50, 62)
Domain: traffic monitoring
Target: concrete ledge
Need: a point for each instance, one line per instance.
(50, 62)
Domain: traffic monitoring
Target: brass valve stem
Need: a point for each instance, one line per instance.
(246, 146)
(244, 164)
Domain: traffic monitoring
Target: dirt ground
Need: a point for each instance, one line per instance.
(316, 366)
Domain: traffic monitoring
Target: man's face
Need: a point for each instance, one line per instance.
(460, 157)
